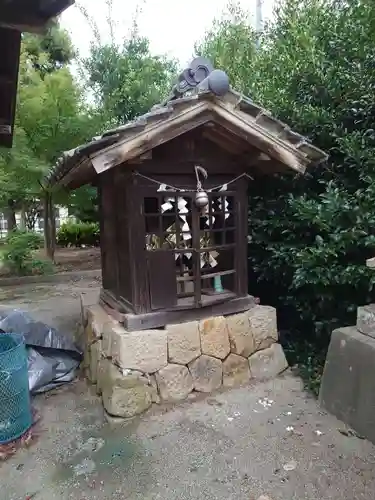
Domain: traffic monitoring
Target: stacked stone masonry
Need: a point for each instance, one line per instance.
(132, 370)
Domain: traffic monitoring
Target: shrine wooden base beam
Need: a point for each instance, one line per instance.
(158, 319)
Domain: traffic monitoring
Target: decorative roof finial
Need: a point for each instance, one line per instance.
(200, 75)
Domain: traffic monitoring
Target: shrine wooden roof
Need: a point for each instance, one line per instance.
(17, 16)
(242, 120)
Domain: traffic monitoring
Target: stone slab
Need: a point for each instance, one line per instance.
(112, 330)
(154, 389)
(263, 324)
(214, 337)
(174, 382)
(117, 421)
(86, 359)
(97, 317)
(184, 342)
(125, 393)
(236, 371)
(88, 335)
(95, 350)
(79, 338)
(207, 373)
(348, 383)
(104, 366)
(366, 320)
(268, 363)
(87, 299)
(241, 337)
(145, 351)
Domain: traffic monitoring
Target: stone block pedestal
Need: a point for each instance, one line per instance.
(133, 370)
(348, 384)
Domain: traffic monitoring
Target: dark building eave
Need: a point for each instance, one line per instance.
(30, 15)
(17, 16)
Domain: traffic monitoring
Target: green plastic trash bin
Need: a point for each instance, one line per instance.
(15, 408)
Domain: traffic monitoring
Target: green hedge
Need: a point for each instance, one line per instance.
(78, 234)
(28, 239)
(18, 253)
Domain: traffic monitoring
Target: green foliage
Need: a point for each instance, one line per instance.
(127, 80)
(18, 253)
(310, 236)
(307, 357)
(83, 204)
(51, 117)
(51, 110)
(78, 234)
(20, 170)
(46, 120)
(230, 45)
(56, 46)
(30, 239)
(40, 266)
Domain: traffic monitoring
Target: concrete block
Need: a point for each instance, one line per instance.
(366, 320)
(268, 363)
(184, 342)
(214, 337)
(348, 383)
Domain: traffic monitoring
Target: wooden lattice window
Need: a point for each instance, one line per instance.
(191, 254)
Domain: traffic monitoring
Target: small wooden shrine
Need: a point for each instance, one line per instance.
(173, 198)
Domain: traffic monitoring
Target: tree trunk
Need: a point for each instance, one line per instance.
(11, 216)
(49, 226)
(23, 218)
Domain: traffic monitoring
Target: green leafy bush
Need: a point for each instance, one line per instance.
(39, 266)
(30, 239)
(18, 253)
(311, 235)
(78, 234)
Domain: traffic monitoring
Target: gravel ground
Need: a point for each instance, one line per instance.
(233, 445)
(266, 439)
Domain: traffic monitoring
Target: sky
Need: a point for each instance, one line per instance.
(172, 27)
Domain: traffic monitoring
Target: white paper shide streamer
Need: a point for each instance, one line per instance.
(183, 211)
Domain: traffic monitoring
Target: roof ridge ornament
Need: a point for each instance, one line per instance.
(199, 76)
